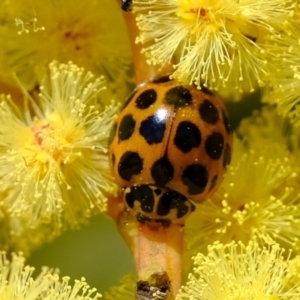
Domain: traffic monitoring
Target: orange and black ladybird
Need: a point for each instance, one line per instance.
(169, 149)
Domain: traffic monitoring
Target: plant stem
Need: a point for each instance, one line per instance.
(143, 71)
(160, 250)
(157, 249)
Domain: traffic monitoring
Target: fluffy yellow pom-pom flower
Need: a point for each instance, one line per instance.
(53, 151)
(93, 36)
(235, 271)
(17, 282)
(284, 86)
(215, 42)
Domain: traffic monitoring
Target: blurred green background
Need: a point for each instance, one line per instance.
(96, 251)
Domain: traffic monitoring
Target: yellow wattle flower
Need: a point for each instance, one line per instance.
(53, 152)
(283, 89)
(214, 43)
(236, 271)
(92, 36)
(17, 282)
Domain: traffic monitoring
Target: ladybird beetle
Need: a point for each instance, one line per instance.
(126, 5)
(169, 149)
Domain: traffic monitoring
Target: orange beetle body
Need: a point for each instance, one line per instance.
(170, 147)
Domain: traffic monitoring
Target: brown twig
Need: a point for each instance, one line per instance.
(157, 249)
(143, 71)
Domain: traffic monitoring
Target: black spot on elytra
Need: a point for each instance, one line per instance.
(157, 192)
(195, 176)
(162, 171)
(208, 112)
(130, 164)
(213, 182)
(170, 200)
(153, 129)
(227, 156)
(129, 98)
(145, 99)
(214, 145)
(226, 122)
(179, 96)
(161, 79)
(126, 127)
(142, 194)
(187, 136)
